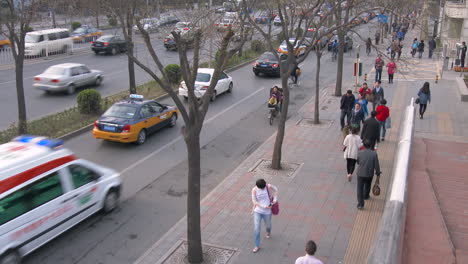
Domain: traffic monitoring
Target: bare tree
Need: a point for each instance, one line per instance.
(16, 15)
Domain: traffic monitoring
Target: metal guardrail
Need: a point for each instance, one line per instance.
(387, 248)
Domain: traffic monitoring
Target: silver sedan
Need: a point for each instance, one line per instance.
(67, 77)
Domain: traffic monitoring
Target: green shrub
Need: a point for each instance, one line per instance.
(89, 102)
(75, 25)
(112, 21)
(173, 73)
(257, 46)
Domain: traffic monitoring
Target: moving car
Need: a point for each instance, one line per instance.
(109, 44)
(224, 24)
(202, 82)
(183, 26)
(267, 64)
(311, 36)
(263, 18)
(168, 20)
(67, 77)
(49, 41)
(86, 34)
(149, 25)
(298, 49)
(133, 119)
(46, 190)
(277, 21)
(347, 45)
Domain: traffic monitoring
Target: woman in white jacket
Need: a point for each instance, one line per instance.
(351, 145)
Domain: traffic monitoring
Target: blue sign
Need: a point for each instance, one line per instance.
(382, 18)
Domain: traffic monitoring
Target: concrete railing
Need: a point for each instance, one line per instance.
(387, 248)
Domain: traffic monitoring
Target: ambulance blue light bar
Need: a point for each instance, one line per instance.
(40, 141)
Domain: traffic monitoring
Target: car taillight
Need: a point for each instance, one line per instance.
(126, 128)
(186, 28)
(37, 78)
(279, 49)
(166, 40)
(275, 65)
(54, 81)
(92, 42)
(96, 124)
(106, 43)
(216, 24)
(204, 88)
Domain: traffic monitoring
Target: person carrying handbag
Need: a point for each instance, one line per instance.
(424, 97)
(351, 145)
(264, 197)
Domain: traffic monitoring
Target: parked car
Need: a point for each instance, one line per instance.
(67, 77)
(168, 20)
(347, 45)
(224, 24)
(86, 34)
(109, 44)
(277, 21)
(299, 49)
(183, 26)
(149, 25)
(133, 119)
(267, 64)
(220, 10)
(263, 18)
(202, 82)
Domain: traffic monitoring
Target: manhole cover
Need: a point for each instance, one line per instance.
(212, 254)
(288, 169)
(309, 122)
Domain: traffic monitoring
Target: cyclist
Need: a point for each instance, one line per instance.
(335, 49)
(276, 98)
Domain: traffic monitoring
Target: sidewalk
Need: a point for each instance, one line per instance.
(316, 200)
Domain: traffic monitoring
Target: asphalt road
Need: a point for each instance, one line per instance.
(154, 174)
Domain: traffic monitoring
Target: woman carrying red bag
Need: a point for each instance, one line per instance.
(264, 197)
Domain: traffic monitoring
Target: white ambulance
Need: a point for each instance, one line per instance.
(44, 191)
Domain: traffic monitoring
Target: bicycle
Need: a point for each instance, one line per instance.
(274, 111)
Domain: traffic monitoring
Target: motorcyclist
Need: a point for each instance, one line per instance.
(276, 98)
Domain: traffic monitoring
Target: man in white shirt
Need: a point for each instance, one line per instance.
(309, 258)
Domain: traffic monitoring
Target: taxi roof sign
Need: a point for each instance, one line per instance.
(136, 96)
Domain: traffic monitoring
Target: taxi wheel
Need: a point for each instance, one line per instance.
(141, 137)
(111, 201)
(10, 257)
(173, 121)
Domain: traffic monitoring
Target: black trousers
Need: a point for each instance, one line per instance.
(378, 75)
(363, 189)
(350, 165)
(422, 109)
(390, 78)
(462, 61)
(347, 114)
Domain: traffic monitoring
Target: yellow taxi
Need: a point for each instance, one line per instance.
(86, 34)
(298, 49)
(133, 119)
(4, 41)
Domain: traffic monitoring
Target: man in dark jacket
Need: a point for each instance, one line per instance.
(368, 162)
(377, 94)
(463, 55)
(346, 106)
(371, 130)
(432, 46)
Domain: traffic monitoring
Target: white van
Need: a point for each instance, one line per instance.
(44, 191)
(47, 41)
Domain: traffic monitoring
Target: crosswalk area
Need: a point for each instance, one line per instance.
(414, 69)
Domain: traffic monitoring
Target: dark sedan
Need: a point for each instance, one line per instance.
(267, 64)
(109, 44)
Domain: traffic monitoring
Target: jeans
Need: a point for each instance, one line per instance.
(420, 54)
(350, 165)
(344, 113)
(383, 129)
(378, 75)
(422, 109)
(257, 226)
(363, 189)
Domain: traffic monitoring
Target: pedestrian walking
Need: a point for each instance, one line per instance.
(391, 66)
(377, 37)
(432, 47)
(363, 102)
(383, 113)
(393, 49)
(351, 145)
(371, 130)
(357, 117)
(346, 107)
(424, 96)
(368, 46)
(377, 94)
(414, 47)
(463, 55)
(309, 258)
(364, 90)
(400, 48)
(368, 164)
(421, 48)
(379, 64)
(263, 197)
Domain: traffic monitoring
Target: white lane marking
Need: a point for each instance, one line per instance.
(180, 137)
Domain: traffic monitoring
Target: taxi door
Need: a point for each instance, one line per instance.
(149, 117)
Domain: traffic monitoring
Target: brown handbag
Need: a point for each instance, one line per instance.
(376, 188)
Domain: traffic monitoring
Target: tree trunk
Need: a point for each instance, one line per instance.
(22, 121)
(195, 251)
(277, 150)
(317, 89)
(54, 23)
(339, 71)
(131, 64)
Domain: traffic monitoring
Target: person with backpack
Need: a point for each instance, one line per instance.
(421, 48)
(414, 47)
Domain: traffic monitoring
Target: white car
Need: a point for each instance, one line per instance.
(202, 82)
(277, 21)
(66, 77)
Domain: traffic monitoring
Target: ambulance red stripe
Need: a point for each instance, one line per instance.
(25, 176)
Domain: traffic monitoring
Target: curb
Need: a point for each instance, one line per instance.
(89, 127)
